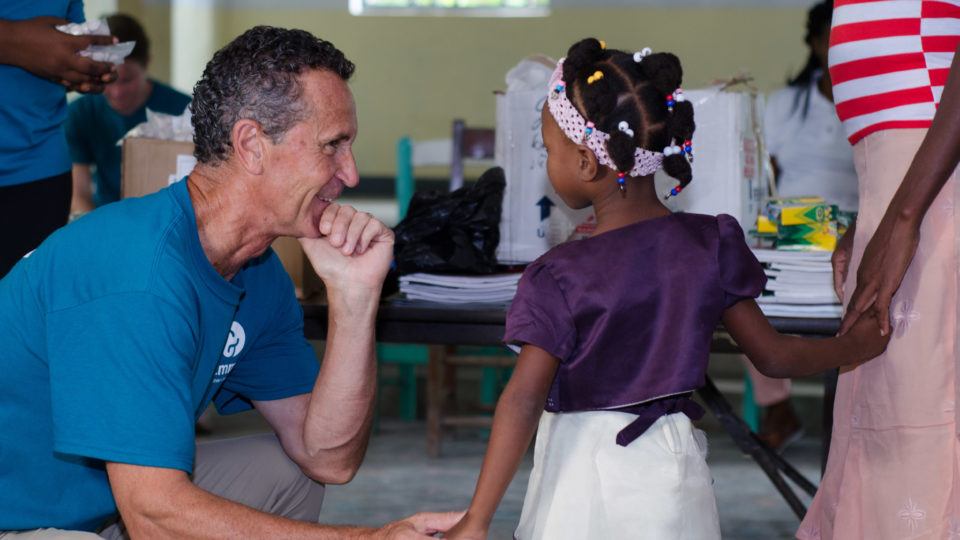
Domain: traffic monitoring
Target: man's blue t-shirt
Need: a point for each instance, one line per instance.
(93, 129)
(32, 146)
(115, 335)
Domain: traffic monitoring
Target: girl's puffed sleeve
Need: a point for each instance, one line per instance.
(539, 314)
(741, 275)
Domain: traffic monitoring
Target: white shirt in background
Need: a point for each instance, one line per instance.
(813, 153)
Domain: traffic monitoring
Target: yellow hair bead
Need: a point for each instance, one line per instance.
(597, 75)
(603, 44)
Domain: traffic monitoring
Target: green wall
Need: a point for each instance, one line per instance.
(415, 74)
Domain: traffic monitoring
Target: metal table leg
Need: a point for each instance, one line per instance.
(772, 463)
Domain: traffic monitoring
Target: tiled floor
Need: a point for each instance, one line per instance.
(398, 479)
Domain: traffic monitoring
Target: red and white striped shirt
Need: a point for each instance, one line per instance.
(889, 60)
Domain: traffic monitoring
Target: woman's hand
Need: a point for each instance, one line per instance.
(885, 262)
(841, 260)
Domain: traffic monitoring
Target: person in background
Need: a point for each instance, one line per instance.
(893, 471)
(614, 330)
(38, 63)
(112, 349)
(810, 156)
(96, 123)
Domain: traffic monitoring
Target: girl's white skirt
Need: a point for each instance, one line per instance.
(584, 486)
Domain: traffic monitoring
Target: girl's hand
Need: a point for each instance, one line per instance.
(868, 338)
(464, 530)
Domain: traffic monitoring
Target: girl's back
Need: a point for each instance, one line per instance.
(630, 313)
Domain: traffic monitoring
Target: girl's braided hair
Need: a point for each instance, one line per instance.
(634, 92)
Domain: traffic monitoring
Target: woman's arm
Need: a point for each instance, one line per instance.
(890, 251)
(781, 356)
(514, 423)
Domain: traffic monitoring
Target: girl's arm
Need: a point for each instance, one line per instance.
(514, 423)
(782, 356)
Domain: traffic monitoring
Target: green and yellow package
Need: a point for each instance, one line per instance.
(800, 223)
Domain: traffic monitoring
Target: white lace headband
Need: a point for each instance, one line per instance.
(581, 131)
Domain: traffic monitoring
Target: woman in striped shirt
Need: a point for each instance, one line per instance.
(894, 464)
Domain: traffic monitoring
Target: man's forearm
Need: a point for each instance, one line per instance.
(158, 506)
(338, 419)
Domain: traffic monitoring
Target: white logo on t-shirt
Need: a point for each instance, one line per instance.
(222, 371)
(235, 340)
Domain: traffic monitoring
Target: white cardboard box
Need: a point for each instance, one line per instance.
(728, 176)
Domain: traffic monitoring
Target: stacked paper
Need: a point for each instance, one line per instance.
(458, 289)
(799, 284)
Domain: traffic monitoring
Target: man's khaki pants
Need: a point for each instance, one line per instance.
(253, 471)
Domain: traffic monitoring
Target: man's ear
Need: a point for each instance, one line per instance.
(249, 144)
(587, 165)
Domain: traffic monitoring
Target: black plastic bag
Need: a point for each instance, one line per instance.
(454, 232)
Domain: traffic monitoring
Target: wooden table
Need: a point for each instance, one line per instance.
(438, 325)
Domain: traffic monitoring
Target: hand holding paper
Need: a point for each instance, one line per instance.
(37, 47)
(113, 53)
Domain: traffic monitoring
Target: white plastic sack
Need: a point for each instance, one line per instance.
(534, 219)
(168, 127)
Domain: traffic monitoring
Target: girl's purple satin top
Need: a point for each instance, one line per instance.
(630, 313)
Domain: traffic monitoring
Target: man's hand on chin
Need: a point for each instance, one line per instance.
(353, 252)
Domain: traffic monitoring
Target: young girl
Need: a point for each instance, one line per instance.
(615, 329)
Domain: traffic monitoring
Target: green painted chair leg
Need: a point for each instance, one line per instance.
(749, 408)
(505, 374)
(489, 386)
(405, 357)
(408, 392)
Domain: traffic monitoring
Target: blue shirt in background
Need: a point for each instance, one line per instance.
(115, 335)
(93, 129)
(32, 110)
